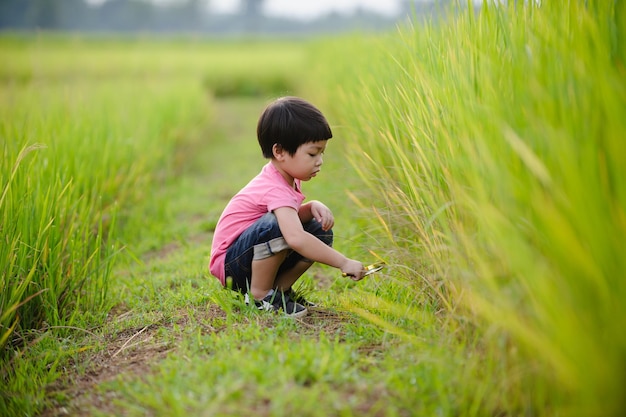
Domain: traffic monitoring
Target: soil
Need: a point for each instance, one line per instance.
(130, 352)
(134, 351)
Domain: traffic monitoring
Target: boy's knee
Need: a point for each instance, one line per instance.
(327, 237)
(315, 228)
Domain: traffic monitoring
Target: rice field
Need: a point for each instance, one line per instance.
(482, 157)
(495, 148)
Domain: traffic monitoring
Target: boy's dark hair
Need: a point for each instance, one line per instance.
(291, 122)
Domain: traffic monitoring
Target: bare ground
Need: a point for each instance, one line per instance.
(133, 352)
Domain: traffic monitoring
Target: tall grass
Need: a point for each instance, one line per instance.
(76, 149)
(492, 143)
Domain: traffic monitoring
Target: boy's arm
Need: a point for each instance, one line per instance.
(317, 210)
(311, 247)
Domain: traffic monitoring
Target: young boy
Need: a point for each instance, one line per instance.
(266, 238)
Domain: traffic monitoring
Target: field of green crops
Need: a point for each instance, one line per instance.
(483, 157)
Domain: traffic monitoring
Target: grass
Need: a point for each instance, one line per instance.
(481, 158)
(90, 159)
(494, 145)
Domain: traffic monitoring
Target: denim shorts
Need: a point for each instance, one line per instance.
(262, 240)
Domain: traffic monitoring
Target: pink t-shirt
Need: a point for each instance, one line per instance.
(266, 192)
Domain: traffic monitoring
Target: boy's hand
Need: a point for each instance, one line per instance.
(353, 269)
(323, 215)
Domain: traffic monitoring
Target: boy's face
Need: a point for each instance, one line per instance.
(306, 162)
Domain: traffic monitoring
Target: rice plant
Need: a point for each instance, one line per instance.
(74, 152)
(494, 140)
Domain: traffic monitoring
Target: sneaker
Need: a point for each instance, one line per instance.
(276, 301)
(261, 305)
(299, 299)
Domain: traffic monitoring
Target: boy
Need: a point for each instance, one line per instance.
(266, 238)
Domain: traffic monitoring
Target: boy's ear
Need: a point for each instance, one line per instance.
(278, 151)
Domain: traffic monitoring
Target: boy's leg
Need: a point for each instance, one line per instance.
(254, 259)
(296, 265)
(260, 259)
(264, 274)
(287, 278)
